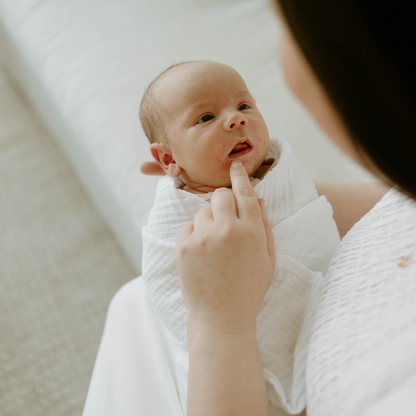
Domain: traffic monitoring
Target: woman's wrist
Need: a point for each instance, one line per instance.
(225, 373)
(218, 336)
(219, 327)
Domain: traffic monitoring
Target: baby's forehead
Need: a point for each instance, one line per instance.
(198, 72)
(188, 82)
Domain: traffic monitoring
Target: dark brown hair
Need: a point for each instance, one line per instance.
(363, 53)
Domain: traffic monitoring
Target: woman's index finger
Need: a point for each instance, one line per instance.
(246, 199)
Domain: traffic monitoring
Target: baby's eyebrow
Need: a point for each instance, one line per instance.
(193, 108)
(197, 105)
(249, 93)
(200, 104)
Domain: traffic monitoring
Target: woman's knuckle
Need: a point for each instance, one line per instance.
(201, 213)
(181, 251)
(228, 232)
(251, 232)
(244, 192)
(221, 190)
(203, 241)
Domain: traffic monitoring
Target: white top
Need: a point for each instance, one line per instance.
(362, 358)
(362, 355)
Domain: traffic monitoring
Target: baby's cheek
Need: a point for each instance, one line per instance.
(210, 165)
(221, 153)
(261, 145)
(265, 141)
(201, 157)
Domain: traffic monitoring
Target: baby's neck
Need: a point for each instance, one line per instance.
(204, 189)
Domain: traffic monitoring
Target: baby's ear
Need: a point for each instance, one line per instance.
(163, 155)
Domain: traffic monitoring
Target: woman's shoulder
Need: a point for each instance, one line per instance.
(350, 200)
(381, 235)
(392, 214)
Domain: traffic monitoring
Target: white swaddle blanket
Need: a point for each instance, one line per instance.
(305, 239)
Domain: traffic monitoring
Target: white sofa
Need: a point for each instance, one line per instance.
(84, 65)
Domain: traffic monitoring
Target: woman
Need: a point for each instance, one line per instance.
(351, 65)
(360, 87)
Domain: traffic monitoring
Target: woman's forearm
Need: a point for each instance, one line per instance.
(225, 374)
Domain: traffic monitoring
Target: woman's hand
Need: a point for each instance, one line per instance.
(226, 258)
(152, 168)
(226, 262)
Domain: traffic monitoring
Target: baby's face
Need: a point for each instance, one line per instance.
(211, 120)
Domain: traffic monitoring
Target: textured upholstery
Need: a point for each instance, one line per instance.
(59, 267)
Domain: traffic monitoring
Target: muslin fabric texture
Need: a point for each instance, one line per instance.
(306, 237)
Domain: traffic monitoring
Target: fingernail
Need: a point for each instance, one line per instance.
(235, 164)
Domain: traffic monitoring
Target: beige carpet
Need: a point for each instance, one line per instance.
(59, 268)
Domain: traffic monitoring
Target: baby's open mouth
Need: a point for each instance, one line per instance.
(240, 149)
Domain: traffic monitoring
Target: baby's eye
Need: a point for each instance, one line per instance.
(243, 107)
(205, 118)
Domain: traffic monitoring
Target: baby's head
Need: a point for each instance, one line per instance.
(199, 117)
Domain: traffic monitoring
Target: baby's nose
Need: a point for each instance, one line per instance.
(235, 120)
(242, 123)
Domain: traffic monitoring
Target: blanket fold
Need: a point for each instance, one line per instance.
(305, 240)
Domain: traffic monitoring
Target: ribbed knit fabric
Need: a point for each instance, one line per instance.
(362, 356)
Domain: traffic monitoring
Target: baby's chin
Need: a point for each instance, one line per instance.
(251, 170)
(211, 183)
(208, 186)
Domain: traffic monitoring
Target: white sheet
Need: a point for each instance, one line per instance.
(306, 239)
(135, 371)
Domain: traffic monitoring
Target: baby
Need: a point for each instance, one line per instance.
(199, 117)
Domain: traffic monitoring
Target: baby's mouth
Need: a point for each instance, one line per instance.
(240, 149)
